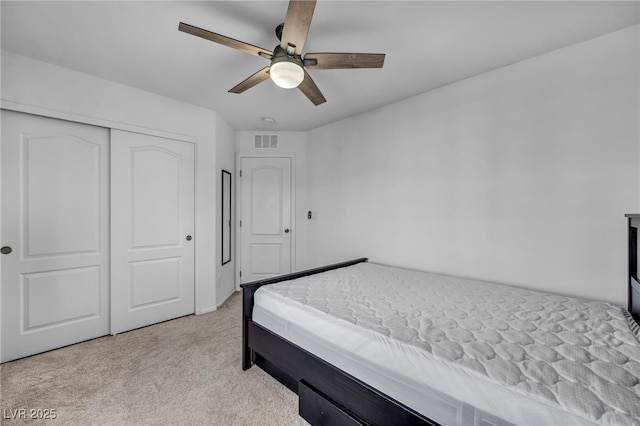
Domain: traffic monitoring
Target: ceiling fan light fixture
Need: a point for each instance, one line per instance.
(286, 74)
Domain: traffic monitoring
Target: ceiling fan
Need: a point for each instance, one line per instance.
(288, 66)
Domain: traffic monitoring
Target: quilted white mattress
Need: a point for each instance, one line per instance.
(439, 344)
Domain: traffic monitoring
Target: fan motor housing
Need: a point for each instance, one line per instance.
(279, 55)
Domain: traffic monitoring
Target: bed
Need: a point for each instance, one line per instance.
(365, 343)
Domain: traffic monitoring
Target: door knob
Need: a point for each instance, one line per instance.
(188, 237)
(5, 250)
(286, 231)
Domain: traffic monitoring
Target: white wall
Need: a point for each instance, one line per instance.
(42, 88)
(521, 175)
(225, 160)
(295, 144)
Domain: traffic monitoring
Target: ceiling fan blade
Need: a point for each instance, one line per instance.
(247, 84)
(296, 24)
(311, 91)
(331, 61)
(224, 40)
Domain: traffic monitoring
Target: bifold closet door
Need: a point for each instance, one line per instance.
(152, 230)
(55, 233)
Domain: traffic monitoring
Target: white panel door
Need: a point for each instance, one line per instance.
(152, 224)
(266, 217)
(55, 221)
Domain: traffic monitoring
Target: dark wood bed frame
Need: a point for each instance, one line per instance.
(328, 395)
(633, 289)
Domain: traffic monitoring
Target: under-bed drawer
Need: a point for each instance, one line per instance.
(318, 410)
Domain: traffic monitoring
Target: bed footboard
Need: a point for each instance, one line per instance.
(326, 394)
(633, 289)
(249, 289)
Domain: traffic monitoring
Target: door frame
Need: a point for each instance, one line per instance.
(94, 121)
(238, 193)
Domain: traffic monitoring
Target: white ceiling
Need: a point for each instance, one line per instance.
(428, 44)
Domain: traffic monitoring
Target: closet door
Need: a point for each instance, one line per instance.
(152, 225)
(54, 233)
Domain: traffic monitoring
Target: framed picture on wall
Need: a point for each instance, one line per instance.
(226, 217)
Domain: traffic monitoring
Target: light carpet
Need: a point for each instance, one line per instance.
(180, 372)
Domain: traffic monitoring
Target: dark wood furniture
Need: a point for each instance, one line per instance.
(328, 395)
(633, 290)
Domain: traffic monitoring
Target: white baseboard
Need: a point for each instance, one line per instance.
(206, 310)
(224, 299)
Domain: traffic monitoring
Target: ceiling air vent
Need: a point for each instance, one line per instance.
(265, 142)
